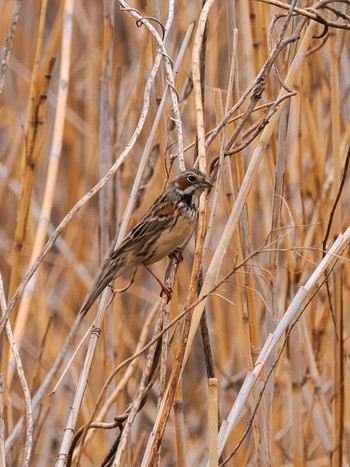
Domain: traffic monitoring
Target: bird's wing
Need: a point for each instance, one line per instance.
(140, 239)
(154, 222)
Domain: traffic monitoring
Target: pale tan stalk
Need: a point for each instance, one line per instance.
(224, 181)
(169, 70)
(178, 406)
(297, 376)
(168, 399)
(6, 51)
(251, 173)
(276, 222)
(2, 422)
(30, 148)
(33, 130)
(55, 153)
(106, 204)
(52, 240)
(23, 382)
(338, 401)
(179, 425)
(303, 294)
(106, 294)
(315, 375)
(213, 422)
(248, 294)
(99, 413)
(248, 302)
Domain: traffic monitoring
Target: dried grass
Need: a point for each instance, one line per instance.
(96, 113)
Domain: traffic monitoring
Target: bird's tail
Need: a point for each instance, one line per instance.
(92, 297)
(106, 274)
(109, 271)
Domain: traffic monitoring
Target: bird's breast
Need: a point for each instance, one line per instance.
(171, 238)
(188, 209)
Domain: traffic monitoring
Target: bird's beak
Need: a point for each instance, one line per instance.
(206, 183)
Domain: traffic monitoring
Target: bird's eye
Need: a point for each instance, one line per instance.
(191, 178)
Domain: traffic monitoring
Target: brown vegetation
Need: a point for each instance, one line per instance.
(102, 102)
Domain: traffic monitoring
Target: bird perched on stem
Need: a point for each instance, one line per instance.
(167, 225)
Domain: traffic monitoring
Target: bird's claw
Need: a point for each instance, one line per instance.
(177, 254)
(166, 290)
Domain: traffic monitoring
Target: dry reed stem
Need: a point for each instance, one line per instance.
(30, 152)
(2, 422)
(150, 363)
(249, 311)
(105, 147)
(304, 293)
(93, 191)
(24, 307)
(168, 67)
(166, 404)
(179, 425)
(29, 156)
(273, 315)
(213, 422)
(307, 12)
(99, 413)
(214, 267)
(6, 51)
(23, 380)
(338, 402)
(98, 321)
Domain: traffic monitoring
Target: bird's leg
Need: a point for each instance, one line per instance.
(165, 289)
(177, 253)
(123, 289)
(129, 284)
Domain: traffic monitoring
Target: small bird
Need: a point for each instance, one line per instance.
(167, 224)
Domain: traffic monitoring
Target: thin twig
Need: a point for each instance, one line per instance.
(23, 381)
(6, 51)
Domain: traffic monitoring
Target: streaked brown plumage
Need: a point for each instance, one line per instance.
(167, 224)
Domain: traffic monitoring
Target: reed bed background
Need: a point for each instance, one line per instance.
(102, 103)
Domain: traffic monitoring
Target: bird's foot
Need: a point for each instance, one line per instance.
(168, 291)
(177, 254)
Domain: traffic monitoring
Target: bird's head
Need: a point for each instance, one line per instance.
(191, 183)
